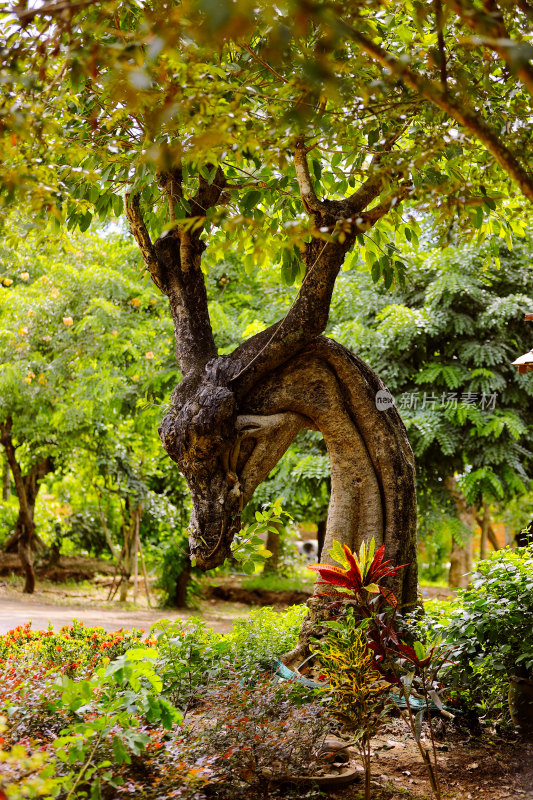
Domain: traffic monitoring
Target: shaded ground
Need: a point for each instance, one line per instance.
(59, 604)
(489, 768)
(230, 588)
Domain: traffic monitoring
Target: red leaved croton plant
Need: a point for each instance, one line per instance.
(357, 573)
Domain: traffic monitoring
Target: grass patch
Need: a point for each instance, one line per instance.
(278, 583)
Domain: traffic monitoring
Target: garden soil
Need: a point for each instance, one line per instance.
(488, 767)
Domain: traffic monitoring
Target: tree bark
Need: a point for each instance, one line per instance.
(272, 544)
(461, 555)
(485, 525)
(182, 584)
(129, 551)
(27, 486)
(6, 481)
(321, 535)
(460, 562)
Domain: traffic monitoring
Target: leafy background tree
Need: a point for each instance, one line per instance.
(79, 339)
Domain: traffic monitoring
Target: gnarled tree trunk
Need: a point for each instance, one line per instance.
(232, 417)
(6, 481)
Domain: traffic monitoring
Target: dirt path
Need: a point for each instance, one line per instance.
(14, 611)
(87, 601)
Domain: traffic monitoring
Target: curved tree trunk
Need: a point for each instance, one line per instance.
(232, 417)
(327, 388)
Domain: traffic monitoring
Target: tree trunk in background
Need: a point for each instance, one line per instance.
(485, 525)
(493, 538)
(321, 535)
(130, 550)
(460, 563)
(272, 544)
(6, 481)
(182, 584)
(27, 486)
(461, 555)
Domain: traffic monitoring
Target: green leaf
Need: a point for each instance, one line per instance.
(119, 751)
(337, 554)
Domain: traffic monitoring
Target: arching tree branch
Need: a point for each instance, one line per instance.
(456, 108)
(174, 265)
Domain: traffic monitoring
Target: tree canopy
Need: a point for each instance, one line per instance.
(104, 99)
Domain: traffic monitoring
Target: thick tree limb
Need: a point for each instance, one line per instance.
(308, 316)
(374, 214)
(456, 108)
(174, 265)
(309, 199)
(132, 207)
(7, 442)
(491, 534)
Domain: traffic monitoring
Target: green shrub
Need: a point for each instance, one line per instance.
(87, 711)
(490, 626)
(191, 657)
(264, 635)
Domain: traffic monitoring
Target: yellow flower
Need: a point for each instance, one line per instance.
(7, 281)
(149, 354)
(68, 321)
(25, 276)
(136, 302)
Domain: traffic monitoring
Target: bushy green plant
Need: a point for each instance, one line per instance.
(106, 715)
(191, 657)
(264, 635)
(491, 627)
